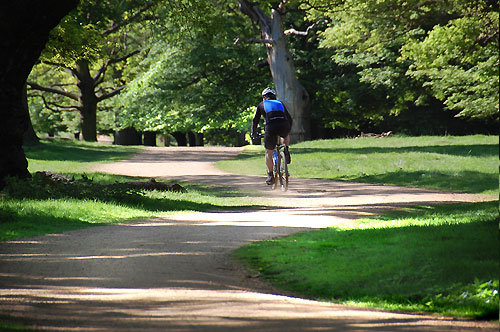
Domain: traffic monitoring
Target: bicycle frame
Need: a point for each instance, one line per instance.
(280, 167)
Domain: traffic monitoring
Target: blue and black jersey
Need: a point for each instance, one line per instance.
(273, 111)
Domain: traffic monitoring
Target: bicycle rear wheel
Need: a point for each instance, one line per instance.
(283, 172)
(276, 172)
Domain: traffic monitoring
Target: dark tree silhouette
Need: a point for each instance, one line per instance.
(24, 26)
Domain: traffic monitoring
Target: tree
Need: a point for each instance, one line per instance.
(196, 80)
(25, 27)
(101, 44)
(459, 63)
(415, 51)
(281, 64)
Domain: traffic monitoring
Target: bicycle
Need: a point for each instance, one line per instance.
(280, 166)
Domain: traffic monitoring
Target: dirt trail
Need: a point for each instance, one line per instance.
(173, 274)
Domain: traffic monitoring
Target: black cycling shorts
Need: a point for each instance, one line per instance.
(273, 130)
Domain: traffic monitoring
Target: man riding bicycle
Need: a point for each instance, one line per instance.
(278, 123)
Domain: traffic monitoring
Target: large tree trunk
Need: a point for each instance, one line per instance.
(288, 88)
(199, 139)
(191, 138)
(149, 138)
(128, 136)
(88, 101)
(24, 27)
(180, 138)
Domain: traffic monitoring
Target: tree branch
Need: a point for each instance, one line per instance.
(255, 41)
(292, 31)
(256, 14)
(110, 94)
(64, 84)
(100, 73)
(35, 86)
(56, 64)
(125, 57)
(49, 105)
(115, 26)
(72, 71)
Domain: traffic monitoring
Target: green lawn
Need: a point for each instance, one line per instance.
(460, 164)
(74, 157)
(441, 259)
(33, 208)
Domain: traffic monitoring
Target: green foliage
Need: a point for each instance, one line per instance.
(363, 63)
(53, 119)
(476, 296)
(73, 39)
(102, 34)
(46, 121)
(450, 52)
(364, 41)
(202, 83)
(440, 259)
(460, 65)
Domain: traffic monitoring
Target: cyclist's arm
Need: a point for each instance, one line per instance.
(256, 119)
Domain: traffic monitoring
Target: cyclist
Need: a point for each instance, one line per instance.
(278, 123)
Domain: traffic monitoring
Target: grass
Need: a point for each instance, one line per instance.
(72, 157)
(9, 324)
(32, 208)
(459, 164)
(441, 259)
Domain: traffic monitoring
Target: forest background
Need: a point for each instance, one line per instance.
(193, 70)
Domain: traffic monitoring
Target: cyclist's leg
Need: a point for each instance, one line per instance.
(283, 130)
(285, 133)
(286, 140)
(269, 144)
(270, 167)
(269, 160)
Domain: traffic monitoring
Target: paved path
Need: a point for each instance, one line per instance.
(173, 274)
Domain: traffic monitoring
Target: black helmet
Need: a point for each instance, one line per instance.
(269, 92)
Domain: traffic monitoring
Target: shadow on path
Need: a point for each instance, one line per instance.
(174, 274)
(169, 275)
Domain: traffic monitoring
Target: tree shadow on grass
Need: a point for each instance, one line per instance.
(80, 152)
(449, 267)
(113, 189)
(464, 181)
(476, 150)
(16, 221)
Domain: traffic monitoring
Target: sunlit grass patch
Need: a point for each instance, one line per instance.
(28, 217)
(35, 206)
(461, 164)
(428, 259)
(63, 156)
